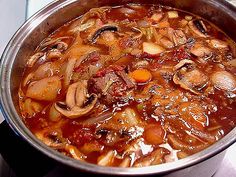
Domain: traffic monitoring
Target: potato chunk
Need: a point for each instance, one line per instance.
(45, 89)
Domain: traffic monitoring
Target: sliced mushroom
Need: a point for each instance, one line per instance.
(198, 27)
(99, 31)
(53, 54)
(55, 140)
(189, 77)
(180, 145)
(34, 58)
(78, 102)
(55, 43)
(52, 138)
(71, 94)
(224, 80)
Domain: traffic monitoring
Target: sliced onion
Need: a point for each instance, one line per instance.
(99, 118)
(218, 44)
(54, 115)
(74, 152)
(178, 144)
(125, 163)
(82, 27)
(107, 159)
(182, 154)
(127, 11)
(69, 71)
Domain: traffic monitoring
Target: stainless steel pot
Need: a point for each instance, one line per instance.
(39, 26)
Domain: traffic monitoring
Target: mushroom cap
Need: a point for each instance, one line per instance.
(189, 77)
(78, 102)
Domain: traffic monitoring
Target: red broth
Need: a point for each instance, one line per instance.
(131, 86)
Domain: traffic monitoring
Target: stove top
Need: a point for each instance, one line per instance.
(45, 167)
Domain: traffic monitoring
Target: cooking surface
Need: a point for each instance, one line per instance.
(228, 167)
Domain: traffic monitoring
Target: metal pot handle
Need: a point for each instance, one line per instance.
(24, 159)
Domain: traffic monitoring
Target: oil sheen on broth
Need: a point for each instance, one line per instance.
(131, 86)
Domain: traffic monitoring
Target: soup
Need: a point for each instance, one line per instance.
(131, 86)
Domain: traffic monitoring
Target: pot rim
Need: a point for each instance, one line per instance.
(13, 119)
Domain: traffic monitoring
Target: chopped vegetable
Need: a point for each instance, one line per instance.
(157, 17)
(173, 14)
(30, 108)
(154, 134)
(152, 48)
(188, 17)
(45, 89)
(183, 23)
(141, 75)
(162, 24)
(54, 115)
(128, 117)
(106, 160)
(83, 27)
(218, 44)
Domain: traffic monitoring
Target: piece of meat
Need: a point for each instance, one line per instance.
(111, 83)
(125, 78)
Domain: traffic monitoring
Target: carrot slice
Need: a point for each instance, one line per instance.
(141, 75)
(154, 134)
